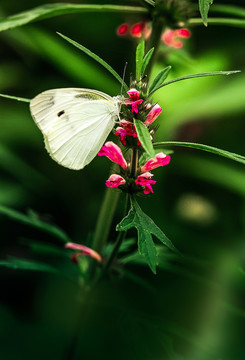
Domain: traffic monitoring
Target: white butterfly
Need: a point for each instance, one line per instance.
(75, 123)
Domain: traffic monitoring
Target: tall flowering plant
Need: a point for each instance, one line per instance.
(133, 149)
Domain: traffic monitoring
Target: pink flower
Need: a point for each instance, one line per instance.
(160, 160)
(134, 99)
(115, 181)
(84, 251)
(171, 37)
(138, 29)
(153, 114)
(145, 181)
(114, 153)
(126, 129)
(122, 29)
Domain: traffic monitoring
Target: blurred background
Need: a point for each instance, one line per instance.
(193, 309)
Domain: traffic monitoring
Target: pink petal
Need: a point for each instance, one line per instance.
(160, 160)
(122, 29)
(114, 153)
(133, 94)
(115, 181)
(153, 114)
(85, 250)
(136, 30)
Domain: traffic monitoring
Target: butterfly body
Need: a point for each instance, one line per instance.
(75, 123)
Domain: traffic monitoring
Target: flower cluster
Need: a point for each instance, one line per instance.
(134, 177)
(172, 37)
(142, 29)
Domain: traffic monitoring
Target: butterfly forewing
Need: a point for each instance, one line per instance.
(75, 123)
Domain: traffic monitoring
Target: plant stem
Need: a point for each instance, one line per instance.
(134, 162)
(154, 41)
(219, 21)
(105, 219)
(119, 240)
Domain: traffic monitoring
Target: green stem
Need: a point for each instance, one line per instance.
(218, 21)
(119, 240)
(134, 162)
(154, 41)
(228, 9)
(105, 219)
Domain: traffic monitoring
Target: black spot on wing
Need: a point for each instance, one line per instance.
(61, 113)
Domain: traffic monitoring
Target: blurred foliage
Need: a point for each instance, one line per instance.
(193, 309)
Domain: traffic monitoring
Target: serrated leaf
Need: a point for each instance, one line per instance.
(159, 79)
(140, 52)
(15, 98)
(51, 10)
(192, 76)
(35, 223)
(204, 8)
(96, 58)
(214, 150)
(144, 137)
(146, 227)
(146, 60)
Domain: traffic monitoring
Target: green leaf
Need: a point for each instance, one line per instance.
(146, 60)
(151, 2)
(228, 9)
(214, 150)
(15, 98)
(204, 7)
(192, 76)
(159, 79)
(145, 226)
(97, 58)
(22, 264)
(52, 10)
(140, 52)
(34, 222)
(144, 137)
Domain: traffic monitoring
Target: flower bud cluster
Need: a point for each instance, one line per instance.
(133, 176)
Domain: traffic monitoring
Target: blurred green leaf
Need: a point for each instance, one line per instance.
(213, 171)
(144, 137)
(35, 223)
(146, 60)
(204, 8)
(214, 73)
(46, 249)
(140, 52)
(15, 98)
(145, 227)
(51, 10)
(159, 79)
(54, 50)
(22, 264)
(228, 9)
(214, 150)
(151, 2)
(17, 167)
(97, 58)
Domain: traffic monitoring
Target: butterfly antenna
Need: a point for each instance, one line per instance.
(124, 72)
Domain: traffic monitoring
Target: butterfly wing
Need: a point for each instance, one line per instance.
(75, 123)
